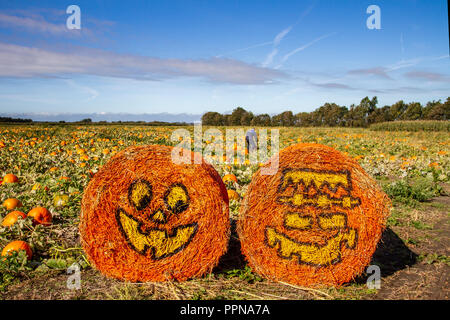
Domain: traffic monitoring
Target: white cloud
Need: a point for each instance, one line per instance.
(297, 50)
(281, 35)
(270, 57)
(377, 71)
(34, 24)
(426, 75)
(262, 44)
(21, 61)
(92, 92)
(276, 42)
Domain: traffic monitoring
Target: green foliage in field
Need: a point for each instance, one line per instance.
(13, 266)
(433, 258)
(420, 190)
(412, 126)
(245, 274)
(55, 162)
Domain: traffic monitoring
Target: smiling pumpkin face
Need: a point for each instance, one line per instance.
(147, 219)
(155, 240)
(317, 221)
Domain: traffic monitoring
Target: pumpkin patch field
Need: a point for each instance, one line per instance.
(49, 217)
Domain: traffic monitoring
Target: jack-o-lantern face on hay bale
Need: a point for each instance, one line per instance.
(145, 218)
(317, 221)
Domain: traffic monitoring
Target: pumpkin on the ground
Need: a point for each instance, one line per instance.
(12, 217)
(12, 203)
(233, 195)
(17, 246)
(10, 178)
(229, 178)
(40, 215)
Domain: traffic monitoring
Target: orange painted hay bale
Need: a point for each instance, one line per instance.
(145, 218)
(317, 221)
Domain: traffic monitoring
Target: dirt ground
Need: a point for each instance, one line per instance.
(420, 269)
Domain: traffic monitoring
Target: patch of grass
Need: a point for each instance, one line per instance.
(412, 241)
(438, 205)
(353, 291)
(127, 292)
(419, 190)
(200, 294)
(393, 221)
(203, 294)
(416, 125)
(245, 274)
(396, 219)
(13, 267)
(434, 258)
(420, 225)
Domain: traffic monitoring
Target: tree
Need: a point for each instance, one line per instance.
(348, 119)
(284, 119)
(261, 120)
(303, 119)
(212, 119)
(330, 114)
(246, 118)
(236, 116)
(446, 108)
(287, 119)
(428, 107)
(412, 112)
(360, 114)
(439, 111)
(397, 109)
(380, 115)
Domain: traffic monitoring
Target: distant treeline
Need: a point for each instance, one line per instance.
(333, 115)
(89, 121)
(143, 123)
(14, 120)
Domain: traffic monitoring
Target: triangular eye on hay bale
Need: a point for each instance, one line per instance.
(145, 218)
(317, 221)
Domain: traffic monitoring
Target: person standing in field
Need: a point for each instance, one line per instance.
(251, 140)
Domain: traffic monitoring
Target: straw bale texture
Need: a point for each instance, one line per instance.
(317, 221)
(145, 218)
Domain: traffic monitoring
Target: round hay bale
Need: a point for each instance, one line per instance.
(145, 218)
(317, 221)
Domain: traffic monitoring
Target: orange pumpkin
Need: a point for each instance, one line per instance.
(229, 178)
(233, 195)
(17, 246)
(10, 178)
(40, 216)
(12, 203)
(12, 218)
(145, 218)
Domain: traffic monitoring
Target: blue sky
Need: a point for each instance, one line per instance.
(196, 56)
